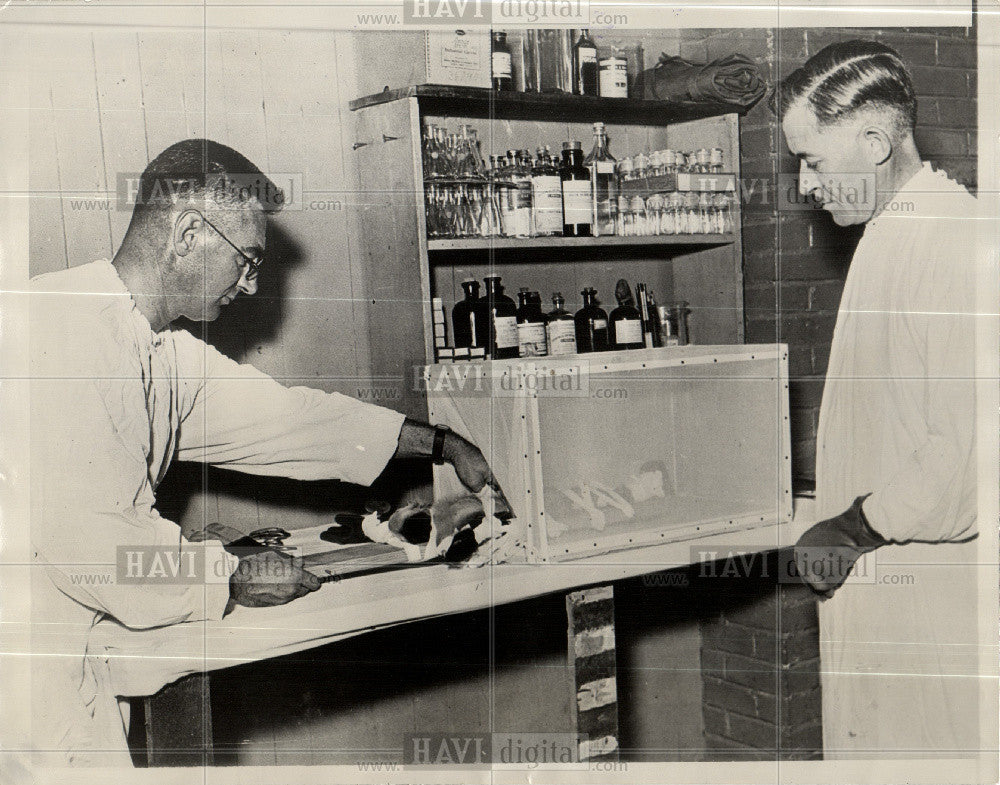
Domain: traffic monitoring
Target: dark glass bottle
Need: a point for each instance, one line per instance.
(585, 70)
(561, 329)
(646, 313)
(463, 316)
(531, 340)
(503, 73)
(501, 320)
(625, 321)
(576, 192)
(591, 324)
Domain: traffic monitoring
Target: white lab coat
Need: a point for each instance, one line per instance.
(112, 403)
(899, 656)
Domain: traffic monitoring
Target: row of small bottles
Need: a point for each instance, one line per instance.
(505, 330)
(550, 62)
(518, 196)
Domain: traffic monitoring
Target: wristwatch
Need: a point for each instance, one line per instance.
(437, 451)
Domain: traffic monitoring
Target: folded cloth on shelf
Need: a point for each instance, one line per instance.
(734, 79)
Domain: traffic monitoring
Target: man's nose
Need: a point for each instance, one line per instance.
(808, 180)
(247, 285)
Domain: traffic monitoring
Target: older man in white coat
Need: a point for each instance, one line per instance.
(895, 552)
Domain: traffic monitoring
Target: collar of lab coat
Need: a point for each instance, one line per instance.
(121, 302)
(928, 192)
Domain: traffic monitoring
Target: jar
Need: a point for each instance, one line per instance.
(614, 76)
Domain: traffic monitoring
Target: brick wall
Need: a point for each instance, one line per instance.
(795, 263)
(760, 661)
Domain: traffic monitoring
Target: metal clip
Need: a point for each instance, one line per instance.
(389, 138)
(356, 145)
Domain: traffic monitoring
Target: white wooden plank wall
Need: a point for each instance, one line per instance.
(105, 101)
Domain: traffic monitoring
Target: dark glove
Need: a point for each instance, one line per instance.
(826, 553)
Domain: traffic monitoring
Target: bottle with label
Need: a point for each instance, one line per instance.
(501, 318)
(614, 76)
(585, 75)
(625, 321)
(503, 72)
(546, 196)
(463, 316)
(646, 314)
(521, 177)
(577, 207)
(561, 328)
(591, 324)
(603, 184)
(531, 340)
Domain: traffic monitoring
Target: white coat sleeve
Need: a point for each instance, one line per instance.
(92, 503)
(240, 418)
(932, 497)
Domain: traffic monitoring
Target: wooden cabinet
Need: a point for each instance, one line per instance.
(405, 270)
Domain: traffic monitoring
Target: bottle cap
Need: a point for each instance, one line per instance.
(572, 146)
(598, 127)
(589, 290)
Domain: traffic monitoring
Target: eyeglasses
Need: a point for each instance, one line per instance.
(253, 262)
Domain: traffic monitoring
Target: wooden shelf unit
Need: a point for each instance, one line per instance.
(404, 269)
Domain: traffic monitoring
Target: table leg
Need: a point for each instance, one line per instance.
(592, 659)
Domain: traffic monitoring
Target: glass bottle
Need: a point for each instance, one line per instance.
(603, 184)
(585, 71)
(625, 321)
(577, 207)
(613, 75)
(501, 320)
(591, 324)
(463, 316)
(646, 313)
(531, 340)
(507, 194)
(546, 196)
(503, 72)
(521, 177)
(560, 328)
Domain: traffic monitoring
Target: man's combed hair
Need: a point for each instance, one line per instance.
(846, 77)
(203, 170)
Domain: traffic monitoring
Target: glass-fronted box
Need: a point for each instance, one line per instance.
(616, 450)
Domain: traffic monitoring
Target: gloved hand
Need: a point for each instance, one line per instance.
(826, 553)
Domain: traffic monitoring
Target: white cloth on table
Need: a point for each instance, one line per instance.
(112, 404)
(900, 656)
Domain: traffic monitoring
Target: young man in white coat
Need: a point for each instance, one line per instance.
(894, 554)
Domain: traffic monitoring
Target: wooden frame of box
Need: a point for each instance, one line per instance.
(722, 448)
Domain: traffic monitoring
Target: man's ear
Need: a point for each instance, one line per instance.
(187, 226)
(877, 144)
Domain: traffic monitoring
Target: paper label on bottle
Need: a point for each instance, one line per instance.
(505, 328)
(603, 167)
(599, 324)
(587, 55)
(614, 78)
(576, 202)
(546, 191)
(531, 339)
(628, 331)
(501, 65)
(562, 337)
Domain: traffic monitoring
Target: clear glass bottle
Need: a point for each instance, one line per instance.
(546, 196)
(585, 69)
(463, 316)
(501, 320)
(560, 328)
(591, 323)
(625, 321)
(576, 199)
(531, 335)
(503, 72)
(521, 177)
(603, 184)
